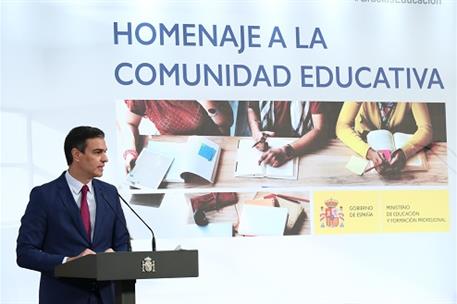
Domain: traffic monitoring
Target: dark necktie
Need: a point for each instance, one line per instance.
(84, 210)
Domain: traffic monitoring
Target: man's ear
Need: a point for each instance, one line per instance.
(76, 154)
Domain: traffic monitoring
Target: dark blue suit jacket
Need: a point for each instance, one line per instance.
(52, 229)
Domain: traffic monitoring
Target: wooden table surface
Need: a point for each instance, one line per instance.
(324, 167)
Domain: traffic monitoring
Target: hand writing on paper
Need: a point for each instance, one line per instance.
(397, 163)
(378, 160)
(387, 168)
(260, 138)
(274, 157)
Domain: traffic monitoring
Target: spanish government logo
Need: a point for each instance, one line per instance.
(148, 265)
(331, 216)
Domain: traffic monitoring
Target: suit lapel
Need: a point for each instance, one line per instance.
(69, 202)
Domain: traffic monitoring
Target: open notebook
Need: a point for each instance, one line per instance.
(248, 157)
(198, 156)
(150, 170)
(386, 142)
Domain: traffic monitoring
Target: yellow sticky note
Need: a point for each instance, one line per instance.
(357, 165)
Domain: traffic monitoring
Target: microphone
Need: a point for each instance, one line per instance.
(117, 217)
(128, 205)
(152, 232)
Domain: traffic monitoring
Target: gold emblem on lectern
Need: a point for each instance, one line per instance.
(148, 265)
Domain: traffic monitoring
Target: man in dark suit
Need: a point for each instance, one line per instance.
(70, 217)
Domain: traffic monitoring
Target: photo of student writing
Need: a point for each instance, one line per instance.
(173, 117)
(357, 119)
(70, 217)
(301, 119)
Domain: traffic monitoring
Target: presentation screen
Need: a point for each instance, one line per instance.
(305, 149)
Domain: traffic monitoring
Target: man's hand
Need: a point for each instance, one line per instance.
(109, 250)
(86, 251)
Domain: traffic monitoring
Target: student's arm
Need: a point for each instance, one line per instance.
(345, 128)
(278, 156)
(254, 124)
(424, 134)
(131, 137)
(312, 138)
(254, 120)
(345, 132)
(221, 114)
(420, 139)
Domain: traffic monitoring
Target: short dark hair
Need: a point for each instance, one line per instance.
(77, 139)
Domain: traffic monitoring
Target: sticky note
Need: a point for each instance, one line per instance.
(357, 165)
(207, 152)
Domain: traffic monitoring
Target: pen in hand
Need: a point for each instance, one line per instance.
(374, 167)
(263, 139)
(262, 144)
(377, 158)
(258, 142)
(371, 168)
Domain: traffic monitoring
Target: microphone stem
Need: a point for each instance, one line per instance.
(134, 212)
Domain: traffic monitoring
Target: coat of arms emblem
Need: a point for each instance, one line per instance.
(148, 265)
(331, 216)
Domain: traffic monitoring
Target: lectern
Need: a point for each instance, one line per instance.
(126, 267)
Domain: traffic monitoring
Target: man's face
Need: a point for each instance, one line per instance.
(93, 159)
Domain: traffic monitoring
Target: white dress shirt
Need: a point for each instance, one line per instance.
(75, 188)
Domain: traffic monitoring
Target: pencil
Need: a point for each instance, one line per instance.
(260, 141)
(371, 168)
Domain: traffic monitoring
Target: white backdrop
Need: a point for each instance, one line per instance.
(57, 63)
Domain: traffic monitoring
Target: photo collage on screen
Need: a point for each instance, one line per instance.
(273, 168)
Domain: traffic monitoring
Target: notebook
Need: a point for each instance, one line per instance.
(198, 156)
(262, 221)
(248, 157)
(150, 170)
(386, 143)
